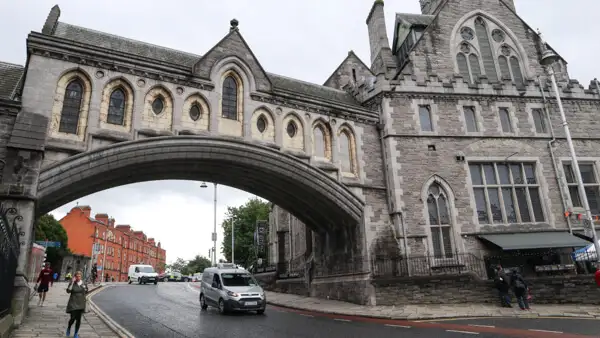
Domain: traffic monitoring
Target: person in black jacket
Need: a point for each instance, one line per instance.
(502, 283)
(520, 289)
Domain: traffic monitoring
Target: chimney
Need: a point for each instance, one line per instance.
(111, 222)
(378, 39)
(102, 218)
(51, 21)
(124, 228)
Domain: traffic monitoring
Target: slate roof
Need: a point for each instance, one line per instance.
(415, 19)
(124, 45)
(10, 75)
(163, 54)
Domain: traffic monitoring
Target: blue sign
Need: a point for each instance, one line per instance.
(48, 244)
(99, 267)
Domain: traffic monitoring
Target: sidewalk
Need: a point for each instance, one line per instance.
(429, 311)
(51, 319)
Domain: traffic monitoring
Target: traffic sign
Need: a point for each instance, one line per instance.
(48, 244)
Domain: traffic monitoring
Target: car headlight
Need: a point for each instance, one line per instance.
(232, 294)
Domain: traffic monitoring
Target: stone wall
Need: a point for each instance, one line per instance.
(468, 288)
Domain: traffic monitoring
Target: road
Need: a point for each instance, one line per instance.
(172, 310)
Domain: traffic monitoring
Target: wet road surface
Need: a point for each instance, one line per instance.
(173, 310)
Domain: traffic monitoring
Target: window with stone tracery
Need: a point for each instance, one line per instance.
(484, 48)
(69, 117)
(230, 98)
(116, 107)
(439, 222)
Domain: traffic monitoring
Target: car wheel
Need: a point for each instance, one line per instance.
(139, 281)
(222, 309)
(155, 282)
(203, 304)
(129, 282)
(260, 312)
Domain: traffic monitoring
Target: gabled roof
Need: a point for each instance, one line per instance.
(116, 43)
(124, 45)
(415, 19)
(10, 77)
(351, 54)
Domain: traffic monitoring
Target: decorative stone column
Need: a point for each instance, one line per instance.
(18, 189)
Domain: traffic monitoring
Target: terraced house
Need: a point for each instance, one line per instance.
(441, 155)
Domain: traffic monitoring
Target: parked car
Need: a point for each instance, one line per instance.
(176, 276)
(142, 274)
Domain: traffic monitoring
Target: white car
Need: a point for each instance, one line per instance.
(142, 274)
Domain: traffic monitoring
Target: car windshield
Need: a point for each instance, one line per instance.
(238, 279)
(146, 269)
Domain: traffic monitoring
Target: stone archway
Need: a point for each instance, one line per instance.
(315, 198)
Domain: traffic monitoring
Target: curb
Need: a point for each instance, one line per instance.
(113, 325)
(432, 318)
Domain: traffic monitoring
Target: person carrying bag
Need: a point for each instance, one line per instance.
(77, 302)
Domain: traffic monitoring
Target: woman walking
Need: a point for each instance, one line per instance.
(77, 301)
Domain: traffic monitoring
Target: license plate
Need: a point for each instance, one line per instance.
(251, 303)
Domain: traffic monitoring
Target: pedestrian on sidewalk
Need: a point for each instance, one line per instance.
(77, 301)
(520, 288)
(502, 283)
(44, 280)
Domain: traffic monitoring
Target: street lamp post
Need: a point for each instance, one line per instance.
(232, 242)
(548, 60)
(214, 234)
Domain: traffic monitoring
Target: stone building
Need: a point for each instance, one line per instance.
(474, 157)
(446, 139)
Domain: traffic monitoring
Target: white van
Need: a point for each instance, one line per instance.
(142, 274)
(229, 288)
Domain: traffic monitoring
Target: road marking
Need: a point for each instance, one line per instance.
(549, 331)
(466, 332)
(302, 314)
(478, 325)
(342, 320)
(402, 326)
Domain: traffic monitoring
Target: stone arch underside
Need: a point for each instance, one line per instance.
(315, 198)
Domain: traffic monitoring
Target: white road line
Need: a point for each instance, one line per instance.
(465, 332)
(193, 288)
(302, 314)
(478, 325)
(402, 326)
(341, 320)
(549, 331)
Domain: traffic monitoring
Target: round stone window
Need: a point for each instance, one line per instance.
(158, 105)
(195, 112)
(291, 129)
(261, 124)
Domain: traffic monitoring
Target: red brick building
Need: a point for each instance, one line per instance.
(123, 246)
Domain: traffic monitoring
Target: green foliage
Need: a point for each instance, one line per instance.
(48, 228)
(244, 218)
(178, 265)
(198, 264)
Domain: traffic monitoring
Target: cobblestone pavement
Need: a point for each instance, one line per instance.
(51, 319)
(429, 311)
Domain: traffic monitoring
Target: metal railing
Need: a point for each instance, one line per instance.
(340, 264)
(428, 265)
(9, 254)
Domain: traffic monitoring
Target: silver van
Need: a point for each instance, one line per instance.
(229, 288)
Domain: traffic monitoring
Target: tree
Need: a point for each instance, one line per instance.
(198, 264)
(47, 228)
(244, 218)
(178, 265)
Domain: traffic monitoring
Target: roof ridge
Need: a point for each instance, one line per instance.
(12, 64)
(309, 83)
(130, 39)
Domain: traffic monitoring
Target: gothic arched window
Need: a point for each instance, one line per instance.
(319, 142)
(439, 222)
(116, 107)
(230, 98)
(484, 48)
(69, 116)
(346, 151)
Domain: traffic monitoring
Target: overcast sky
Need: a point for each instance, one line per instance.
(301, 39)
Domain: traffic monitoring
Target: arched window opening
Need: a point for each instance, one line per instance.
(116, 107)
(319, 142)
(158, 105)
(261, 124)
(345, 152)
(485, 46)
(195, 112)
(463, 67)
(439, 222)
(291, 129)
(475, 68)
(69, 116)
(516, 70)
(230, 98)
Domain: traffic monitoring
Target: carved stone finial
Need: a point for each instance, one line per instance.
(234, 24)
